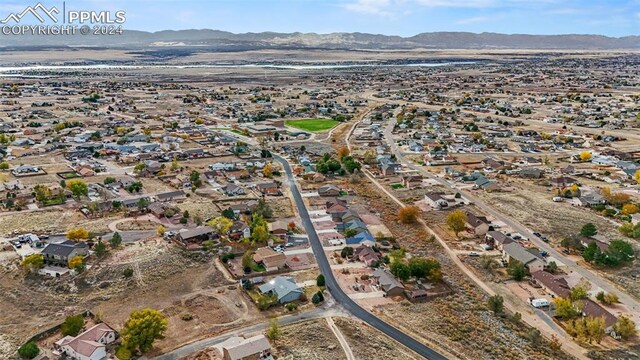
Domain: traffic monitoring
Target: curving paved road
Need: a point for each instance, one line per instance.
(332, 284)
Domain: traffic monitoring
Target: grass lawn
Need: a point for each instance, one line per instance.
(312, 125)
(397, 186)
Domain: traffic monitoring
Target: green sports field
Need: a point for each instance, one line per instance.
(312, 125)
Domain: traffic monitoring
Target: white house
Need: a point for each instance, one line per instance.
(89, 345)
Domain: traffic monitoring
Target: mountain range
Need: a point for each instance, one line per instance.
(222, 40)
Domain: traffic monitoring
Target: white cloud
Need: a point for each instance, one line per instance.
(473, 20)
(373, 7)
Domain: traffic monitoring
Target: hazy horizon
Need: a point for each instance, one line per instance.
(617, 18)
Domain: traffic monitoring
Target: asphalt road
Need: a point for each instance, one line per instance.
(334, 288)
(605, 285)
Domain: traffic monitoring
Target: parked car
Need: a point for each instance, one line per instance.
(474, 254)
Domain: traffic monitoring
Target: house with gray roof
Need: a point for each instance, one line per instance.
(60, 254)
(514, 251)
(388, 283)
(284, 287)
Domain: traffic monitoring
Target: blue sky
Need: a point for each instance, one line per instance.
(391, 17)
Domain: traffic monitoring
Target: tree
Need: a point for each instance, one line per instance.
(552, 267)
(4, 165)
(228, 213)
(100, 249)
(400, 270)
(343, 152)
(346, 252)
(630, 209)
(42, 192)
(590, 253)
(273, 331)
(260, 234)
(578, 293)
(160, 230)
(408, 214)
(320, 280)
(109, 180)
(33, 262)
(78, 234)
(263, 209)
(625, 327)
(595, 327)
(78, 187)
(350, 233)
(369, 157)
(496, 304)
(76, 262)
(29, 350)
(267, 171)
(139, 167)
(317, 298)
(174, 164)
(221, 224)
(425, 268)
(142, 329)
(636, 176)
(72, 325)
(585, 156)
(116, 239)
(620, 250)
(457, 221)
(564, 308)
(247, 260)
(516, 270)
(588, 230)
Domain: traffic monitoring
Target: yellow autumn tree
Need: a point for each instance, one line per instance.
(267, 171)
(585, 156)
(76, 262)
(457, 221)
(77, 234)
(629, 209)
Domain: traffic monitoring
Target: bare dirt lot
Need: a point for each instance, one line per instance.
(309, 340)
(368, 343)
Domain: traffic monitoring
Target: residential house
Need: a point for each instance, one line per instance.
(554, 284)
(412, 181)
(329, 190)
(388, 283)
(563, 181)
(253, 348)
(279, 228)
(497, 239)
(367, 255)
(478, 225)
(232, 190)
(270, 188)
(272, 260)
(437, 200)
(285, 289)
(239, 230)
(514, 251)
(196, 235)
(88, 345)
(60, 254)
(177, 196)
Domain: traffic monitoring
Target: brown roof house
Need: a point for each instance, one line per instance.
(89, 345)
(329, 190)
(479, 225)
(366, 255)
(271, 259)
